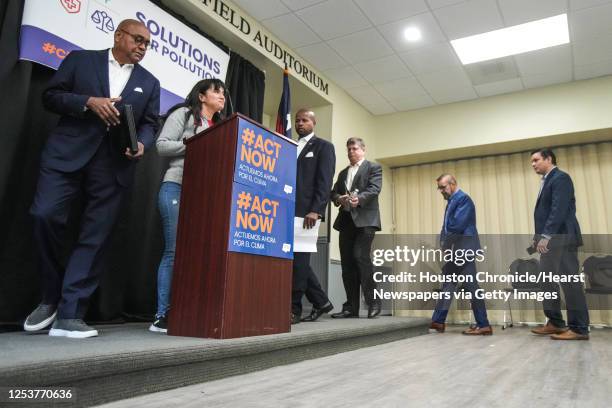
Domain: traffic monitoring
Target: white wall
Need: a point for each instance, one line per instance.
(516, 120)
(531, 114)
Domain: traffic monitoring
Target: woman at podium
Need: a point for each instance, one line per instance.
(200, 110)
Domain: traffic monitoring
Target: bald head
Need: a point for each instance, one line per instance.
(131, 41)
(129, 23)
(305, 122)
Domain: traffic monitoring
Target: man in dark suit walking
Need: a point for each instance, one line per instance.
(459, 233)
(80, 158)
(315, 171)
(557, 238)
(356, 193)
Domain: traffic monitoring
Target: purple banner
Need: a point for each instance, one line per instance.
(40, 46)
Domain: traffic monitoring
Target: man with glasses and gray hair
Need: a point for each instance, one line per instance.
(459, 233)
(82, 159)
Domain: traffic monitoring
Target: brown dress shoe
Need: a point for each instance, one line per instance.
(437, 327)
(478, 331)
(548, 329)
(569, 335)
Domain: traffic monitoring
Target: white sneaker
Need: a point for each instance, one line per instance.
(40, 318)
(72, 328)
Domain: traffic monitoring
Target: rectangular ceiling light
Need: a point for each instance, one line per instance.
(513, 40)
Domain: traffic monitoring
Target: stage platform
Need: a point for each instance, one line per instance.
(127, 360)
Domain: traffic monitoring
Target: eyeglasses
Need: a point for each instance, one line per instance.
(440, 188)
(138, 39)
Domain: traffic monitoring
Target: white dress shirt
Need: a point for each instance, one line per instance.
(302, 143)
(350, 175)
(118, 75)
(543, 180)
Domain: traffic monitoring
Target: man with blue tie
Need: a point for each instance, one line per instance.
(459, 233)
(557, 238)
(81, 158)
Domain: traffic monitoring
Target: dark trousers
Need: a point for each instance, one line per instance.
(71, 286)
(357, 268)
(305, 282)
(563, 261)
(478, 305)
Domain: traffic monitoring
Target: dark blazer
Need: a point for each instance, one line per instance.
(555, 210)
(460, 216)
(315, 172)
(73, 142)
(368, 181)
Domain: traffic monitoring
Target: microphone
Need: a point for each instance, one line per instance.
(229, 99)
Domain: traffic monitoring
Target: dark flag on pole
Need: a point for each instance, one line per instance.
(283, 117)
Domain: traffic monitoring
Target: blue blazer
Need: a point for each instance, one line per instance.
(76, 138)
(459, 224)
(555, 210)
(315, 175)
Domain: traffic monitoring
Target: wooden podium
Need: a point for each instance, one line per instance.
(217, 292)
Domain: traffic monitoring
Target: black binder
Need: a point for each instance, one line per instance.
(124, 134)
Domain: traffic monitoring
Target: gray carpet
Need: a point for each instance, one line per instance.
(511, 369)
(127, 360)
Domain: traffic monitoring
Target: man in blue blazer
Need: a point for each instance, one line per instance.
(315, 171)
(459, 235)
(81, 158)
(557, 237)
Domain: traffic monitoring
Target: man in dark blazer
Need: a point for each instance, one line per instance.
(81, 158)
(315, 171)
(557, 237)
(459, 234)
(356, 193)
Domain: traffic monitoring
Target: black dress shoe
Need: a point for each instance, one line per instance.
(295, 319)
(316, 313)
(373, 310)
(344, 314)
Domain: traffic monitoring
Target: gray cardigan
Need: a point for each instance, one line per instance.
(170, 142)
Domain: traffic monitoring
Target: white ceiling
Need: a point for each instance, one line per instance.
(358, 44)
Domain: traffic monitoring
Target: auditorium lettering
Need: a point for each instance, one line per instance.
(266, 43)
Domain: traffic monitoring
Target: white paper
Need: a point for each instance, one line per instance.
(305, 240)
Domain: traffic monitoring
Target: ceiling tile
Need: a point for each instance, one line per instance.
(261, 10)
(592, 50)
(501, 87)
(400, 88)
(452, 77)
(297, 4)
(549, 78)
(546, 60)
(385, 11)
(366, 95)
(292, 30)
(380, 109)
(410, 102)
(594, 21)
(334, 18)
(582, 4)
(456, 94)
(321, 56)
(345, 77)
(432, 58)
(594, 70)
(522, 11)
(434, 4)
(469, 18)
(430, 31)
(383, 69)
(362, 46)
(450, 85)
